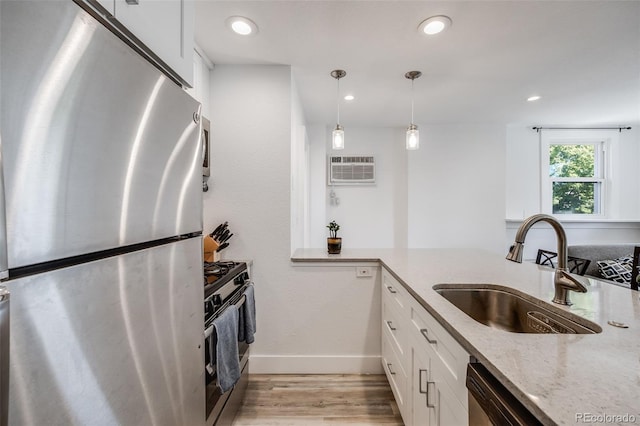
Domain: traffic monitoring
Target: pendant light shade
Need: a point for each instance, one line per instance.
(413, 135)
(337, 136)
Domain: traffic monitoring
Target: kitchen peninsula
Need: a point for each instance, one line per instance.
(560, 378)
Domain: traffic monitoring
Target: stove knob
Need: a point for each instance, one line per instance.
(241, 279)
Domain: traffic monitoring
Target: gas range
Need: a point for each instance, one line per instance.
(225, 285)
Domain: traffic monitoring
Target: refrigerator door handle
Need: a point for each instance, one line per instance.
(4, 356)
(4, 260)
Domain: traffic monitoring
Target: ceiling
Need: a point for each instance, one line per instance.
(581, 57)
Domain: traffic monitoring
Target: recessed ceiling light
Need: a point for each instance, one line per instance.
(241, 25)
(349, 97)
(435, 24)
(533, 98)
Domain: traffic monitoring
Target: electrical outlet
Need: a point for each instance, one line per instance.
(363, 271)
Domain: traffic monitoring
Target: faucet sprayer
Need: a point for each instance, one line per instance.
(563, 281)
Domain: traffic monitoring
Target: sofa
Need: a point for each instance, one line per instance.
(596, 252)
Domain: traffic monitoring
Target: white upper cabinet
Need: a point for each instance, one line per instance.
(200, 88)
(164, 26)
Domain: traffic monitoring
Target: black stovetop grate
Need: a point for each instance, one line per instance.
(217, 274)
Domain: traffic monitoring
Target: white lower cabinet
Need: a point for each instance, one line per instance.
(425, 366)
(449, 410)
(396, 374)
(434, 401)
(395, 359)
(422, 413)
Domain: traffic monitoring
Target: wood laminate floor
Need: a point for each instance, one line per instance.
(325, 399)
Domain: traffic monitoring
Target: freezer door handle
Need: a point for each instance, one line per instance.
(4, 262)
(4, 356)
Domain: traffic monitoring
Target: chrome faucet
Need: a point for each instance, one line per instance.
(563, 280)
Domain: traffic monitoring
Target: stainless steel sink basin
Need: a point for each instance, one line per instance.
(502, 308)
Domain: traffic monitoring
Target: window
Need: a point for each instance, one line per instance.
(573, 175)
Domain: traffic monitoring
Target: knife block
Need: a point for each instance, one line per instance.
(210, 246)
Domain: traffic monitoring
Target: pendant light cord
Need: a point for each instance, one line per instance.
(412, 95)
(338, 101)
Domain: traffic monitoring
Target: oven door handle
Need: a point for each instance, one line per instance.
(208, 332)
(241, 301)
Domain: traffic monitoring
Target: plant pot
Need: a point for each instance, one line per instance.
(334, 245)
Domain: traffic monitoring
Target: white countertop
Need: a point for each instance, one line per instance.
(557, 376)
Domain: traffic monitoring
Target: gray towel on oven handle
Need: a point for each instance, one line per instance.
(227, 361)
(248, 316)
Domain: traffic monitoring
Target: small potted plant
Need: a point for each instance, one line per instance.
(334, 243)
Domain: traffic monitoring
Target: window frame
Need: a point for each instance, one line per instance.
(601, 141)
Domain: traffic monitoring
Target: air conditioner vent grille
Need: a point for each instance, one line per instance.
(352, 160)
(352, 170)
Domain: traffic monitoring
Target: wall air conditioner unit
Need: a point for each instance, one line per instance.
(352, 170)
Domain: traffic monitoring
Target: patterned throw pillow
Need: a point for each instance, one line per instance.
(618, 270)
(628, 259)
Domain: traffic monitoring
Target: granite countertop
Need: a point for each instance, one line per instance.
(558, 377)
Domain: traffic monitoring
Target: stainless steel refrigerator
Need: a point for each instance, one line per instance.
(100, 226)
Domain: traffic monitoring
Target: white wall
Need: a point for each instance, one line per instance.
(299, 176)
(310, 319)
(318, 319)
(449, 193)
(369, 215)
(523, 193)
(522, 172)
(626, 160)
(318, 197)
(456, 195)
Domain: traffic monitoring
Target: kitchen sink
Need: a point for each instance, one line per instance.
(502, 308)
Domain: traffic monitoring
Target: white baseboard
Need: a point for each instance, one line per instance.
(300, 364)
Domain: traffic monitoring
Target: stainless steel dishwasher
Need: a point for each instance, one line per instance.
(490, 403)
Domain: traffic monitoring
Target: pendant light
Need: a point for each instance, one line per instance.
(413, 136)
(337, 136)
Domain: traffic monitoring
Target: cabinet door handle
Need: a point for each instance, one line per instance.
(391, 290)
(426, 336)
(392, 372)
(420, 371)
(392, 328)
(430, 383)
(132, 2)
